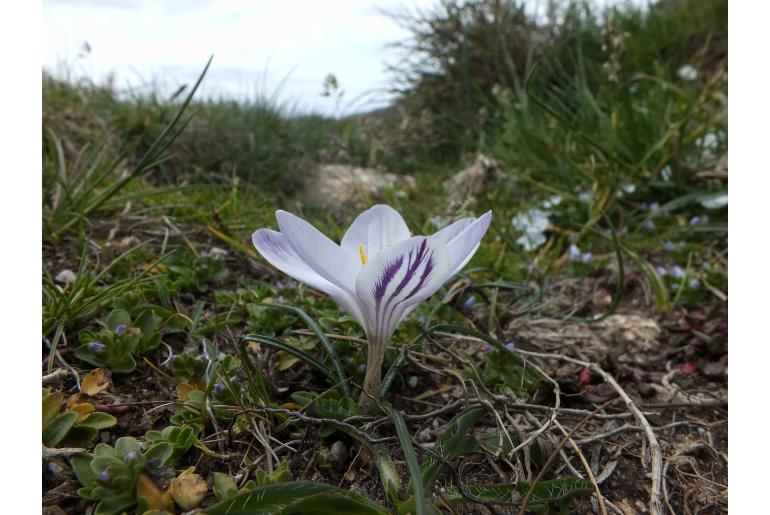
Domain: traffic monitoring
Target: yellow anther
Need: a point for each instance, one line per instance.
(362, 252)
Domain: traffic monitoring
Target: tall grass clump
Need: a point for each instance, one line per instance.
(572, 94)
(261, 140)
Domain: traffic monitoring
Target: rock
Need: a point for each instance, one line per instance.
(466, 187)
(339, 455)
(66, 276)
(338, 185)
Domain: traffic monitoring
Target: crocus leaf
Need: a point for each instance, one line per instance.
(297, 497)
(411, 458)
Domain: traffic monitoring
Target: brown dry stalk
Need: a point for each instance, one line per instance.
(655, 454)
(554, 453)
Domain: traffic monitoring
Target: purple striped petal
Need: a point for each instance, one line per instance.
(397, 279)
(277, 250)
(337, 265)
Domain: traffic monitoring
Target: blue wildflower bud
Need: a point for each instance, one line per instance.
(95, 346)
(586, 257)
(661, 270)
(573, 253)
(120, 329)
(510, 345)
(694, 283)
(104, 476)
(130, 456)
(677, 271)
(219, 389)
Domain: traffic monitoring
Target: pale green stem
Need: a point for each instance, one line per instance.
(375, 353)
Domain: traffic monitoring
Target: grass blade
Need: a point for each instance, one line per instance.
(297, 497)
(341, 377)
(410, 456)
(304, 356)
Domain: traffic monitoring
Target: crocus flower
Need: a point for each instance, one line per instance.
(379, 272)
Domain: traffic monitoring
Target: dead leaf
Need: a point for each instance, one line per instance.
(78, 398)
(188, 489)
(157, 498)
(290, 405)
(96, 381)
(51, 405)
(184, 390)
(84, 409)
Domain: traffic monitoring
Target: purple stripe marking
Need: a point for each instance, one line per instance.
(423, 278)
(412, 266)
(415, 258)
(384, 280)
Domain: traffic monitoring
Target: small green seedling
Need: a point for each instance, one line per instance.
(181, 439)
(109, 476)
(78, 426)
(225, 487)
(187, 366)
(122, 340)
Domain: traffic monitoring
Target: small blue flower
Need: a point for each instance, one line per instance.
(362, 368)
(586, 257)
(706, 265)
(510, 345)
(218, 389)
(104, 476)
(573, 253)
(661, 270)
(669, 246)
(469, 303)
(95, 346)
(694, 283)
(120, 329)
(654, 207)
(699, 220)
(649, 225)
(677, 272)
(130, 455)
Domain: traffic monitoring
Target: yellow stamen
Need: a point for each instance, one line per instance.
(363, 254)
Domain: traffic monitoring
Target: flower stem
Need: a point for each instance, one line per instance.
(375, 354)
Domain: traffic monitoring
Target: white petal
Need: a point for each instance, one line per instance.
(337, 265)
(379, 227)
(397, 279)
(449, 232)
(462, 247)
(277, 250)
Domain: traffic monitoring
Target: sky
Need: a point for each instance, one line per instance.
(260, 47)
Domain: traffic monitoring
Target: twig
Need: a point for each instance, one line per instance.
(656, 457)
(552, 457)
(63, 452)
(55, 376)
(589, 472)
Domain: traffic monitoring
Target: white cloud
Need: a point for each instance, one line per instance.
(256, 45)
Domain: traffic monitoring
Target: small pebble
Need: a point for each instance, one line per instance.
(66, 276)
